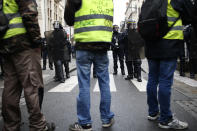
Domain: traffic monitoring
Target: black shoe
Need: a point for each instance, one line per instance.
(129, 77)
(50, 127)
(139, 79)
(94, 76)
(123, 73)
(77, 127)
(51, 68)
(109, 124)
(62, 81)
(192, 76)
(68, 75)
(44, 68)
(115, 73)
(182, 74)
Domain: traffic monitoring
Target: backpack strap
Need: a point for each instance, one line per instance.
(174, 23)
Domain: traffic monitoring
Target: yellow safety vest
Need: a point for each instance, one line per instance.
(176, 31)
(16, 27)
(94, 21)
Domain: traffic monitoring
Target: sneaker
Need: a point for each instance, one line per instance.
(153, 117)
(50, 127)
(109, 124)
(77, 127)
(173, 124)
(129, 77)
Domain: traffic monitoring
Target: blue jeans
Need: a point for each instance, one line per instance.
(84, 60)
(161, 73)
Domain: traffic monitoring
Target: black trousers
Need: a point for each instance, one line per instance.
(118, 54)
(44, 56)
(59, 74)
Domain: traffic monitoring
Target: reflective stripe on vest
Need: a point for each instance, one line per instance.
(176, 31)
(16, 26)
(93, 22)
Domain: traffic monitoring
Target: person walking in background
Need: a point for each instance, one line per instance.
(21, 49)
(67, 56)
(57, 40)
(133, 43)
(45, 55)
(92, 43)
(117, 47)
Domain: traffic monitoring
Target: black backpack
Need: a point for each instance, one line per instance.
(4, 22)
(153, 21)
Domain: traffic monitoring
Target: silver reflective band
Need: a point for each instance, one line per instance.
(88, 17)
(19, 25)
(177, 28)
(11, 16)
(95, 28)
(173, 19)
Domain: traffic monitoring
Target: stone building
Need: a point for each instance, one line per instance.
(50, 11)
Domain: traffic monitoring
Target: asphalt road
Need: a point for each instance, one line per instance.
(128, 104)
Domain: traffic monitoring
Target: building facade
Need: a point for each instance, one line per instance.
(133, 9)
(48, 12)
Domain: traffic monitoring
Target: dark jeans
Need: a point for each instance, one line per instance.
(160, 75)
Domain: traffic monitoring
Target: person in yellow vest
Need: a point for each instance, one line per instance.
(162, 60)
(20, 47)
(92, 20)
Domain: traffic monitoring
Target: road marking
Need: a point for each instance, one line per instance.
(186, 80)
(67, 86)
(141, 86)
(45, 76)
(112, 85)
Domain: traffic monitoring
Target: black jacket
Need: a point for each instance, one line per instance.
(117, 38)
(169, 49)
(69, 15)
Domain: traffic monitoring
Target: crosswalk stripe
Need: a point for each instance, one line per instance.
(141, 86)
(112, 85)
(67, 86)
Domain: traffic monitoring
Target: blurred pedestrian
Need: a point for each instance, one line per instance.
(133, 43)
(57, 41)
(67, 56)
(92, 43)
(45, 55)
(117, 47)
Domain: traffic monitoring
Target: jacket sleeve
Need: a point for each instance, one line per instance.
(184, 7)
(71, 7)
(29, 14)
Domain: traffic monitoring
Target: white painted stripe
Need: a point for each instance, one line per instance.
(45, 76)
(67, 86)
(141, 86)
(111, 85)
